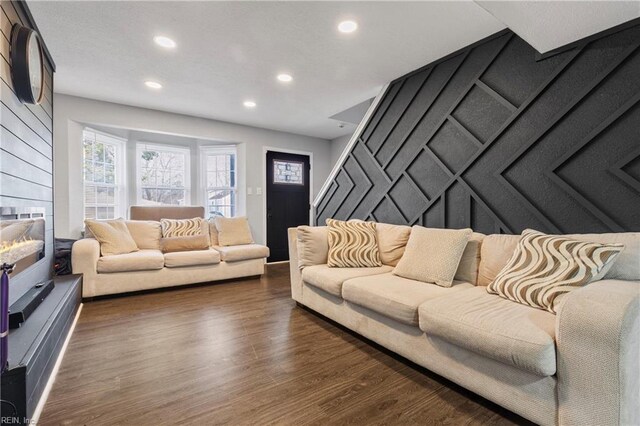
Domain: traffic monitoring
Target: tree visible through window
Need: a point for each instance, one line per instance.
(219, 166)
(163, 175)
(103, 169)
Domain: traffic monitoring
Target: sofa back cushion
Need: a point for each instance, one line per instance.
(470, 261)
(497, 249)
(233, 231)
(392, 240)
(146, 233)
(164, 212)
(313, 245)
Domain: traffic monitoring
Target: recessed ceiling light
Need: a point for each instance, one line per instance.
(165, 42)
(249, 104)
(347, 26)
(153, 84)
(285, 78)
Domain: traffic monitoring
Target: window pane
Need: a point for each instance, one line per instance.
(221, 202)
(288, 172)
(101, 165)
(163, 176)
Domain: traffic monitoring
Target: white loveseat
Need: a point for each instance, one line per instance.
(149, 268)
(580, 366)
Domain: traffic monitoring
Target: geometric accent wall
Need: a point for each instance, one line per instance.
(493, 139)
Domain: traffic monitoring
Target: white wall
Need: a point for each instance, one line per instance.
(337, 146)
(72, 113)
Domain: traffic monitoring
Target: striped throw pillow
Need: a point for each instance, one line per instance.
(546, 267)
(182, 227)
(352, 244)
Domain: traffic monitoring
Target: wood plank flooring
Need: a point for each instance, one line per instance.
(241, 353)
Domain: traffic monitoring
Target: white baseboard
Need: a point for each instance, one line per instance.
(54, 372)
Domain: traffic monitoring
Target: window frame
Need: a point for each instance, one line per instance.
(145, 146)
(120, 174)
(205, 151)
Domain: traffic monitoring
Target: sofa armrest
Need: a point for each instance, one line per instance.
(84, 256)
(294, 270)
(598, 344)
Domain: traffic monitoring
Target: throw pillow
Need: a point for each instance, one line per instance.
(392, 240)
(233, 231)
(113, 235)
(193, 242)
(544, 268)
(146, 233)
(352, 244)
(183, 227)
(433, 255)
(313, 245)
(15, 231)
(213, 232)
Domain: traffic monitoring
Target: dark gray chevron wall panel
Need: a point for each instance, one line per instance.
(491, 138)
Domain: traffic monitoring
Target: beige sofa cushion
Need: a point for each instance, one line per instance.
(190, 243)
(393, 296)
(146, 233)
(331, 279)
(242, 252)
(392, 240)
(489, 325)
(313, 245)
(142, 260)
(470, 261)
(191, 258)
(233, 231)
(497, 249)
(113, 235)
(433, 255)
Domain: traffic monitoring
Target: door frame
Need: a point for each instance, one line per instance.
(265, 149)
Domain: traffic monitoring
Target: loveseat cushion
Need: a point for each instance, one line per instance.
(497, 328)
(242, 252)
(191, 258)
(395, 297)
(331, 279)
(142, 260)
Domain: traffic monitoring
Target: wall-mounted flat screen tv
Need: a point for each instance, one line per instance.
(22, 236)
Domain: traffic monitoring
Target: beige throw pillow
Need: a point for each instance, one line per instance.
(392, 240)
(313, 245)
(544, 268)
(113, 235)
(352, 244)
(233, 231)
(213, 233)
(433, 255)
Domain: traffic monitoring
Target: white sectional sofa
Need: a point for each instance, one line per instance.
(578, 367)
(149, 268)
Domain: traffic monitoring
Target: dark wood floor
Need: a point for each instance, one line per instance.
(241, 353)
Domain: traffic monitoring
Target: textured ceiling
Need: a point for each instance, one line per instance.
(547, 25)
(229, 52)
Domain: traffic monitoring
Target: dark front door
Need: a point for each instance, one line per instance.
(287, 199)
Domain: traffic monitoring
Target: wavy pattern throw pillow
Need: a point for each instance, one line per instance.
(182, 227)
(546, 267)
(352, 244)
